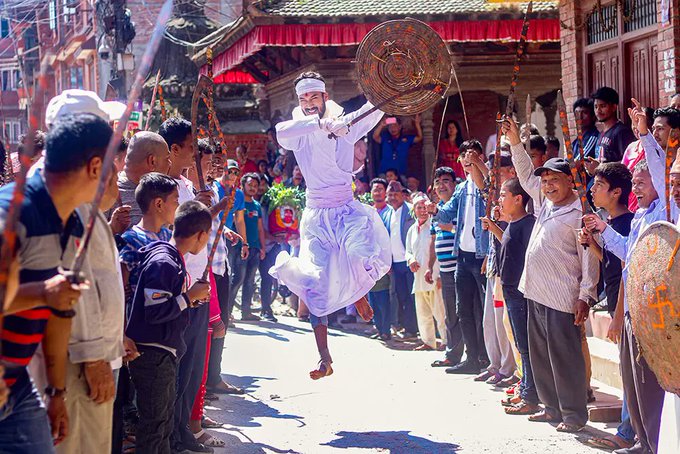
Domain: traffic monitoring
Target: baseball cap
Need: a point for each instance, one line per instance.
(232, 164)
(554, 165)
(81, 101)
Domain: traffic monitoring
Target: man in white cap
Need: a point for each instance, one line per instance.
(82, 101)
(76, 101)
(345, 248)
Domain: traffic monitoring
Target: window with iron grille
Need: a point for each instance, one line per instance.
(638, 14)
(4, 27)
(602, 24)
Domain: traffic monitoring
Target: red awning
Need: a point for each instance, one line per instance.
(288, 35)
(233, 76)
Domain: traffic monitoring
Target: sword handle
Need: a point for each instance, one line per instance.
(74, 277)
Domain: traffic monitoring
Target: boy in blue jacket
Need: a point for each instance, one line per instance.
(157, 321)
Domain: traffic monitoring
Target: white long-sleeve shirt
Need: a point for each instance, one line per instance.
(558, 271)
(418, 250)
(326, 163)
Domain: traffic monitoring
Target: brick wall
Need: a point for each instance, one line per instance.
(668, 52)
(572, 53)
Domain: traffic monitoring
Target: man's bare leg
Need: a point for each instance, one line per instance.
(320, 325)
(364, 309)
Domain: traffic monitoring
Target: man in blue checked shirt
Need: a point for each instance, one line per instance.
(643, 393)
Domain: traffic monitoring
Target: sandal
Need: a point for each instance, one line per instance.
(206, 439)
(210, 396)
(569, 428)
(423, 347)
(324, 370)
(208, 423)
(611, 442)
(511, 400)
(228, 389)
(543, 416)
(523, 408)
(443, 363)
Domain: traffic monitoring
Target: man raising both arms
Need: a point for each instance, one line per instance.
(344, 246)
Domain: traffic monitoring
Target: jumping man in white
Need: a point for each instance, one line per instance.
(345, 248)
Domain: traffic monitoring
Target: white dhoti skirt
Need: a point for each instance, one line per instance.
(344, 251)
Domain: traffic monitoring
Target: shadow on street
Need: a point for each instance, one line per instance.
(397, 442)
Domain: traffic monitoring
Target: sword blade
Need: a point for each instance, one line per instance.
(135, 91)
(153, 101)
(521, 44)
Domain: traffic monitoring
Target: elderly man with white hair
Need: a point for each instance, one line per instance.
(428, 295)
(344, 246)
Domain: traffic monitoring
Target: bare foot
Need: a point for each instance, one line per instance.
(324, 370)
(364, 309)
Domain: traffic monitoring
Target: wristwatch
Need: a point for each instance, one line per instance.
(54, 392)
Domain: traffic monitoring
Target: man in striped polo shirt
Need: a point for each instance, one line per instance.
(442, 243)
(48, 235)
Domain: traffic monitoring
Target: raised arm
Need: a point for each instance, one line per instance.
(419, 129)
(377, 132)
(655, 156)
(522, 162)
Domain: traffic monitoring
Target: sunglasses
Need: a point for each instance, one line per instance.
(234, 172)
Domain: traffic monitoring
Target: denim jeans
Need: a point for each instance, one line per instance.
(380, 302)
(251, 265)
(266, 281)
(470, 284)
(24, 426)
(625, 429)
(243, 274)
(517, 313)
(154, 375)
(236, 269)
(402, 281)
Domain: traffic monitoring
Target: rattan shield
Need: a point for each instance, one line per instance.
(399, 56)
(653, 293)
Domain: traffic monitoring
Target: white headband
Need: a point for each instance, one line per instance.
(310, 85)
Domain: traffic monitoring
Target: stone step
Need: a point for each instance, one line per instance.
(607, 406)
(604, 357)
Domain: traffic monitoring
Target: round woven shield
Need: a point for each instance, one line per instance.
(402, 55)
(653, 293)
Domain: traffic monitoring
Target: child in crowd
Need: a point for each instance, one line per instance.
(158, 199)
(514, 241)
(158, 319)
(428, 298)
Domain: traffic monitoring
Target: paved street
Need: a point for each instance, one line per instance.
(379, 400)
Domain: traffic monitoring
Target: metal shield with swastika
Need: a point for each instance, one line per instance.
(653, 293)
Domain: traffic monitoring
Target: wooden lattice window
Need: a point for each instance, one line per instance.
(638, 14)
(603, 24)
